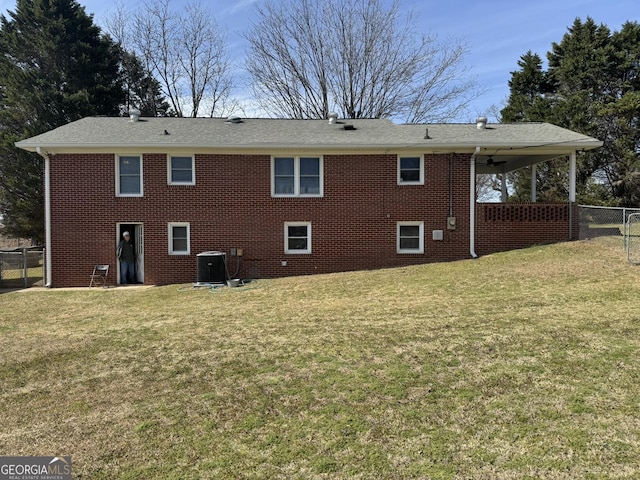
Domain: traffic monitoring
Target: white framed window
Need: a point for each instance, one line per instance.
(410, 170)
(181, 170)
(297, 237)
(179, 238)
(129, 176)
(410, 237)
(296, 176)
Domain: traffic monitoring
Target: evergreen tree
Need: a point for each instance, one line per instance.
(142, 90)
(530, 100)
(593, 84)
(529, 89)
(56, 67)
(619, 118)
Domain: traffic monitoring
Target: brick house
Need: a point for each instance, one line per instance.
(287, 197)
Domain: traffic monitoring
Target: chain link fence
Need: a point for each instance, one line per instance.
(604, 221)
(22, 267)
(632, 238)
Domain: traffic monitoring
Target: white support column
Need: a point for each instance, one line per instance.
(572, 177)
(534, 193)
(503, 188)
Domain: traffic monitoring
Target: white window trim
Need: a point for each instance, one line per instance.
(193, 169)
(286, 238)
(117, 162)
(419, 182)
(420, 249)
(170, 227)
(296, 177)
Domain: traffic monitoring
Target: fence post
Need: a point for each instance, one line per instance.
(25, 268)
(624, 226)
(570, 220)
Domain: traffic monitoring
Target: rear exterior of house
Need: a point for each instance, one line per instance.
(277, 198)
(356, 224)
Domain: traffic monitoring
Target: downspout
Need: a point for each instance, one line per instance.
(47, 214)
(472, 205)
(572, 190)
(451, 185)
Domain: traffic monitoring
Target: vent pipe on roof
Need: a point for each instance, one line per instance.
(333, 118)
(234, 119)
(481, 123)
(134, 115)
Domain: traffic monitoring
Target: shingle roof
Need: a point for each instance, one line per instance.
(105, 133)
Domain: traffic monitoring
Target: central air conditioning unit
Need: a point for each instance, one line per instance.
(212, 268)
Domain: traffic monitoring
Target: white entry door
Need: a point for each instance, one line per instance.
(139, 247)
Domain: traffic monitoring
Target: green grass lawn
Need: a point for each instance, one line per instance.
(519, 365)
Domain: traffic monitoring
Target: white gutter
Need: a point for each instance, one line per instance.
(472, 205)
(559, 148)
(47, 214)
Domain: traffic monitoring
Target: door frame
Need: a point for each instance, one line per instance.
(136, 230)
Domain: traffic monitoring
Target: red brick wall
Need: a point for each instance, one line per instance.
(353, 224)
(507, 226)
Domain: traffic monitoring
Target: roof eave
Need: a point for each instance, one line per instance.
(69, 148)
(427, 146)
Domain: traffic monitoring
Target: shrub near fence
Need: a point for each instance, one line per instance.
(21, 267)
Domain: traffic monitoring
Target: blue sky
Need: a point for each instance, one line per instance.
(498, 32)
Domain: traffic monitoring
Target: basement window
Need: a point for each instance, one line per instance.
(297, 237)
(411, 170)
(296, 177)
(410, 237)
(179, 233)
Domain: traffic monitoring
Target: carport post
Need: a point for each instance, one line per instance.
(572, 177)
(572, 190)
(503, 188)
(534, 193)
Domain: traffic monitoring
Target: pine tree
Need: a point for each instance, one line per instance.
(56, 67)
(619, 116)
(593, 87)
(528, 89)
(530, 100)
(142, 90)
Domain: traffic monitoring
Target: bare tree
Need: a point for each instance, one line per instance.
(185, 51)
(357, 57)
(488, 187)
(204, 59)
(117, 23)
(288, 59)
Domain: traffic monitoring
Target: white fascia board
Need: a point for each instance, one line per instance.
(427, 147)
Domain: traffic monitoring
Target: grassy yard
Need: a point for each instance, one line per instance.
(519, 365)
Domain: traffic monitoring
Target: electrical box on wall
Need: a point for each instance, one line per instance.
(437, 235)
(451, 223)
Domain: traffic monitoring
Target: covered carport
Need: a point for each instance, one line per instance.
(509, 225)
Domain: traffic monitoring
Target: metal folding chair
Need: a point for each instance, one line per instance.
(99, 276)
